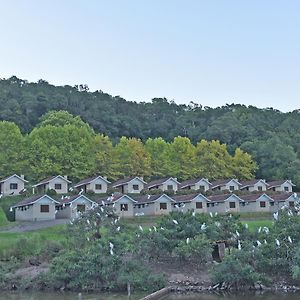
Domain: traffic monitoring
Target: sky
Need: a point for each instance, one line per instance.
(210, 52)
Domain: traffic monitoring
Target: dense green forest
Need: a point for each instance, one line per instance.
(270, 136)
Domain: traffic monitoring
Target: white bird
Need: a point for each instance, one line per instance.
(148, 197)
(216, 214)
(81, 191)
(118, 228)
(290, 214)
(211, 214)
(203, 226)
(111, 251)
(265, 242)
(277, 242)
(56, 212)
(111, 245)
(246, 226)
(239, 245)
(275, 215)
(101, 208)
(98, 214)
(193, 214)
(155, 229)
(141, 228)
(103, 203)
(88, 221)
(162, 228)
(237, 233)
(266, 230)
(62, 197)
(70, 189)
(150, 229)
(88, 238)
(258, 243)
(290, 239)
(187, 240)
(259, 229)
(10, 209)
(175, 222)
(1, 195)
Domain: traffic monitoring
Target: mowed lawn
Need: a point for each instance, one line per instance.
(253, 225)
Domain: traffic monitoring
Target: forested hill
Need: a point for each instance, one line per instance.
(272, 137)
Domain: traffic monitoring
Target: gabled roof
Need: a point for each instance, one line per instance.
(160, 181)
(252, 183)
(188, 198)
(217, 183)
(113, 199)
(70, 199)
(14, 175)
(192, 182)
(254, 197)
(32, 200)
(278, 183)
(223, 197)
(126, 181)
(89, 180)
(151, 198)
(48, 179)
(285, 196)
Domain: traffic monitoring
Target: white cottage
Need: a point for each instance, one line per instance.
(257, 203)
(224, 203)
(96, 184)
(36, 208)
(57, 183)
(289, 200)
(164, 184)
(12, 185)
(132, 185)
(199, 184)
(281, 186)
(259, 185)
(226, 184)
(190, 202)
(72, 206)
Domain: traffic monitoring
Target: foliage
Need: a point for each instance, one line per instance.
(3, 219)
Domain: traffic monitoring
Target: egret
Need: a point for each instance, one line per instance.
(118, 228)
(216, 214)
(111, 251)
(71, 189)
(148, 197)
(275, 215)
(237, 233)
(259, 229)
(193, 214)
(155, 229)
(88, 221)
(101, 208)
(111, 245)
(187, 240)
(10, 209)
(1, 196)
(290, 239)
(246, 226)
(239, 245)
(141, 228)
(203, 226)
(81, 191)
(211, 214)
(258, 243)
(175, 222)
(277, 242)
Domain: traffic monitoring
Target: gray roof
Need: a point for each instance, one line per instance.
(112, 199)
(187, 198)
(221, 197)
(251, 183)
(32, 199)
(150, 198)
(192, 182)
(223, 182)
(254, 196)
(46, 180)
(160, 181)
(90, 179)
(278, 183)
(14, 175)
(124, 181)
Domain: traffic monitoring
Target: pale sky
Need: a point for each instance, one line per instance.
(211, 52)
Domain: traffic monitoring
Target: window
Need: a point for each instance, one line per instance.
(162, 206)
(291, 204)
(259, 188)
(169, 187)
(232, 204)
(13, 186)
(80, 207)
(136, 187)
(247, 188)
(262, 203)
(98, 186)
(271, 203)
(286, 188)
(231, 187)
(274, 189)
(199, 205)
(57, 186)
(44, 208)
(202, 187)
(124, 207)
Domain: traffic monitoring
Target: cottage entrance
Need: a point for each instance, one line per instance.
(81, 208)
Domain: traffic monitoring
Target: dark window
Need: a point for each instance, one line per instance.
(98, 186)
(57, 186)
(162, 206)
(232, 204)
(136, 187)
(291, 204)
(124, 207)
(81, 207)
(202, 187)
(259, 188)
(199, 205)
(243, 203)
(262, 203)
(274, 188)
(247, 188)
(286, 188)
(271, 203)
(170, 187)
(231, 187)
(13, 186)
(44, 208)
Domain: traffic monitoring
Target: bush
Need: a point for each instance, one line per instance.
(51, 192)
(3, 219)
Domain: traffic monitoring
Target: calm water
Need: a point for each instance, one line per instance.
(64, 296)
(248, 296)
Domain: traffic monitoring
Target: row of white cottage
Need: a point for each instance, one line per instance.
(45, 207)
(14, 185)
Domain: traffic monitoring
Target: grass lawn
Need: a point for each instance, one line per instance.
(253, 225)
(3, 219)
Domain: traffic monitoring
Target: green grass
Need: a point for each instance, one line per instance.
(3, 219)
(253, 225)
